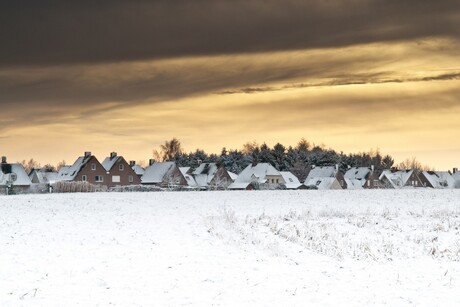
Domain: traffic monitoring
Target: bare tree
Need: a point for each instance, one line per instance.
(29, 165)
(168, 150)
(414, 164)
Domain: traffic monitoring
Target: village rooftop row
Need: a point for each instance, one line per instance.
(115, 172)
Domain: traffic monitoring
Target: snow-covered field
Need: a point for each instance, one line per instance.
(267, 248)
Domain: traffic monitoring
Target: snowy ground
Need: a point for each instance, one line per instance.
(280, 248)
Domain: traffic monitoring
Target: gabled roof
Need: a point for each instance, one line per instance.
(358, 173)
(355, 184)
(232, 175)
(6, 171)
(291, 181)
(205, 173)
(44, 176)
(440, 180)
(109, 162)
(322, 183)
(188, 177)
(321, 172)
(257, 173)
(139, 170)
(156, 172)
(69, 173)
(398, 179)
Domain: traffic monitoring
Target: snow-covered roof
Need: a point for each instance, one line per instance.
(232, 175)
(397, 179)
(139, 170)
(156, 172)
(357, 173)
(6, 171)
(67, 173)
(257, 173)
(46, 177)
(440, 180)
(109, 162)
(322, 183)
(188, 177)
(291, 181)
(355, 184)
(321, 172)
(204, 173)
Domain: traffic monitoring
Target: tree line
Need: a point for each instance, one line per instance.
(297, 159)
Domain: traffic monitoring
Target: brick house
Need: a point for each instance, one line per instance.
(119, 172)
(87, 169)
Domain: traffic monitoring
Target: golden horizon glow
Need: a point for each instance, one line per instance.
(401, 97)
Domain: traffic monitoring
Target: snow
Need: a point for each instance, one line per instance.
(440, 180)
(324, 183)
(239, 248)
(291, 181)
(252, 173)
(139, 170)
(357, 173)
(22, 179)
(398, 179)
(68, 173)
(188, 177)
(321, 172)
(156, 172)
(109, 162)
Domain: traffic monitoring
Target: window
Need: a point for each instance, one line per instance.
(290, 179)
(130, 178)
(83, 178)
(116, 179)
(273, 180)
(93, 166)
(121, 167)
(277, 181)
(99, 178)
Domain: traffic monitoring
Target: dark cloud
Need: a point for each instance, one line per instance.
(45, 32)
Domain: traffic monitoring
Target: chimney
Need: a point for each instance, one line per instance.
(3, 159)
(113, 154)
(337, 167)
(132, 163)
(151, 161)
(199, 161)
(313, 166)
(455, 170)
(372, 167)
(87, 154)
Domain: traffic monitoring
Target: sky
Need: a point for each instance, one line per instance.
(125, 76)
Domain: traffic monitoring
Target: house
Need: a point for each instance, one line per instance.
(362, 178)
(437, 180)
(43, 176)
(212, 176)
(186, 172)
(163, 174)
(139, 170)
(13, 178)
(256, 176)
(323, 183)
(119, 172)
(86, 168)
(397, 179)
(291, 181)
(317, 172)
